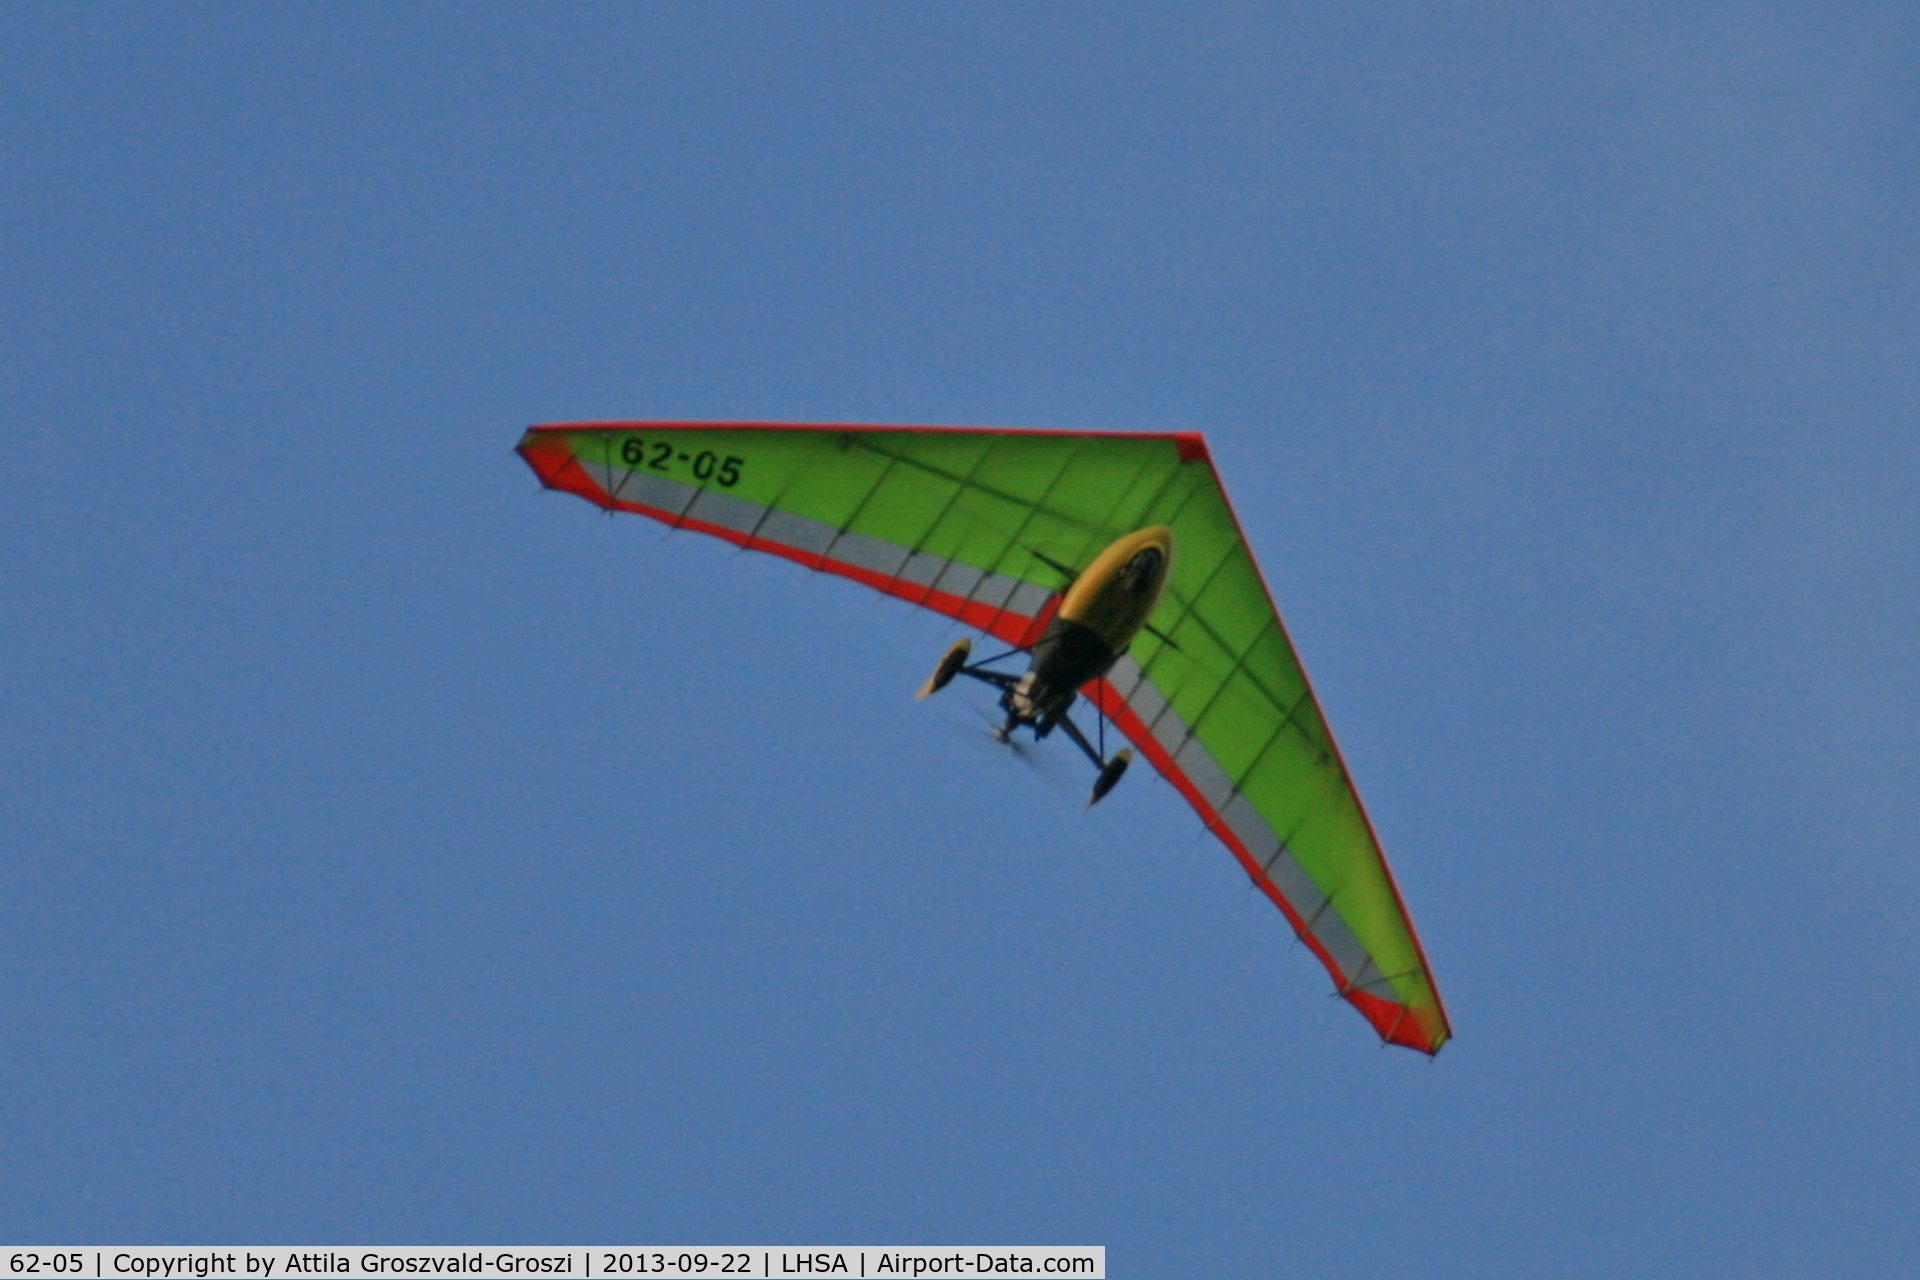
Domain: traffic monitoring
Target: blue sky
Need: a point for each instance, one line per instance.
(393, 852)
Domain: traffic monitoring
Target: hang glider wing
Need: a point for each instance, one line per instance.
(977, 524)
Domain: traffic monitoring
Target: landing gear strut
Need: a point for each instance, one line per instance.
(1110, 768)
(1016, 700)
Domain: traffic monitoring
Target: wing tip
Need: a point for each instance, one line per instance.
(552, 460)
(1192, 446)
(1408, 1026)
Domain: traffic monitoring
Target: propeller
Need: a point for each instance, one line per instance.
(1044, 764)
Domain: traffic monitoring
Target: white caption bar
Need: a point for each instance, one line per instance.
(92, 1262)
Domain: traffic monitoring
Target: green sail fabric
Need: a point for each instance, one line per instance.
(966, 522)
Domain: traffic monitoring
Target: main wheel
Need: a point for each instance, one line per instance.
(950, 663)
(1110, 775)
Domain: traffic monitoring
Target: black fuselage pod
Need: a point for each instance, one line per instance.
(1098, 617)
(1066, 657)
